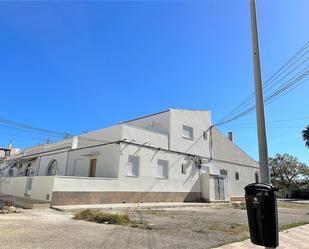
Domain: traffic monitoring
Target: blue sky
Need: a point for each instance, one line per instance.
(80, 66)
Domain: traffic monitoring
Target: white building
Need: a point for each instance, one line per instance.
(174, 155)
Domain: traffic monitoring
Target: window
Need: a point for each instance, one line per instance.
(183, 169)
(187, 132)
(223, 172)
(133, 166)
(28, 170)
(162, 168)
(52, 168)
(237, 176)
(257, 179)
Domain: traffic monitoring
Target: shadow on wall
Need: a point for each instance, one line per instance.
(193, 195)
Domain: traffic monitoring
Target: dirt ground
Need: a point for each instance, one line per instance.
(186, 227)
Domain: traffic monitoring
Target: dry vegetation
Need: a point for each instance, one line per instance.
(293, 205)
(98, 216)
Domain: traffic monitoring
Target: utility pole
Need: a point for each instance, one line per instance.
(259, 100)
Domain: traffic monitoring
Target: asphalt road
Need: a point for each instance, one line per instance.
(188, 227)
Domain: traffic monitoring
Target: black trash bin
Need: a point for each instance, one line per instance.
(262, 214)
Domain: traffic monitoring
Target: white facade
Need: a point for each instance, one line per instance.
(174, 153)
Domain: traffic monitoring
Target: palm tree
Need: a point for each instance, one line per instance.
(306, 135)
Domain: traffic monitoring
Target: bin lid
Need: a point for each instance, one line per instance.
(260, 186)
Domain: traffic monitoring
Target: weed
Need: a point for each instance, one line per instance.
(283, 204)
(103, 217)
(291, 225)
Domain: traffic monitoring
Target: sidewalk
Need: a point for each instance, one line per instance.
(121, 206)
(294, 238)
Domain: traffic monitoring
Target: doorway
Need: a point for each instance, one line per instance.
(219, 188)
(92, 167)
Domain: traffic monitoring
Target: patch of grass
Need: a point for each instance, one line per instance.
(231, 229)
(242, 229)
(293, 205)
(103, 217)
(291, 225)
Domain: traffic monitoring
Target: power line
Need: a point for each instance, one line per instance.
(267, 85)
(250, 99)
(28, 131)
(14, 124)
(15, 135)
(272, 121)
(282, 90)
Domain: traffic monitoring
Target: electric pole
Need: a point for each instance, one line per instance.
(259, 100)
(260, 117)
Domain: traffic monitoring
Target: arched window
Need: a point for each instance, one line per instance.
(28, 170)
(52, 168)
(257, 179)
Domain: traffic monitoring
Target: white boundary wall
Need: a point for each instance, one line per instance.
(42, 186)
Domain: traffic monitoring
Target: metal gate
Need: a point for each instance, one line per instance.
(219, 188)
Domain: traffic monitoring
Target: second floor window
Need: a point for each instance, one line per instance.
(133, 166)
(187, 132)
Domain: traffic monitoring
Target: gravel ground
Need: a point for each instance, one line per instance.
(188, 227)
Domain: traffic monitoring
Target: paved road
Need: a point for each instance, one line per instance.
(294, 238)
(178, 228)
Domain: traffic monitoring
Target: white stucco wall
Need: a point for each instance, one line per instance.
(107, 161)
(246, 176)
(109, 134)
(158, 122)
(148, 180)
(47, 147)
(199, 121)
(16, 186)
(144, 136)
(45, 160)
(224, 149)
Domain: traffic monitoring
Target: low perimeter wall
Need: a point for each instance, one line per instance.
(80, 198)
(41, 187)
(84, 190)
(65, 190)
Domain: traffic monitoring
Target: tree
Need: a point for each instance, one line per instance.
(287, 172)
(306, 135)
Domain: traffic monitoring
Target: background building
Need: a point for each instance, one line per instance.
(174, 155)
